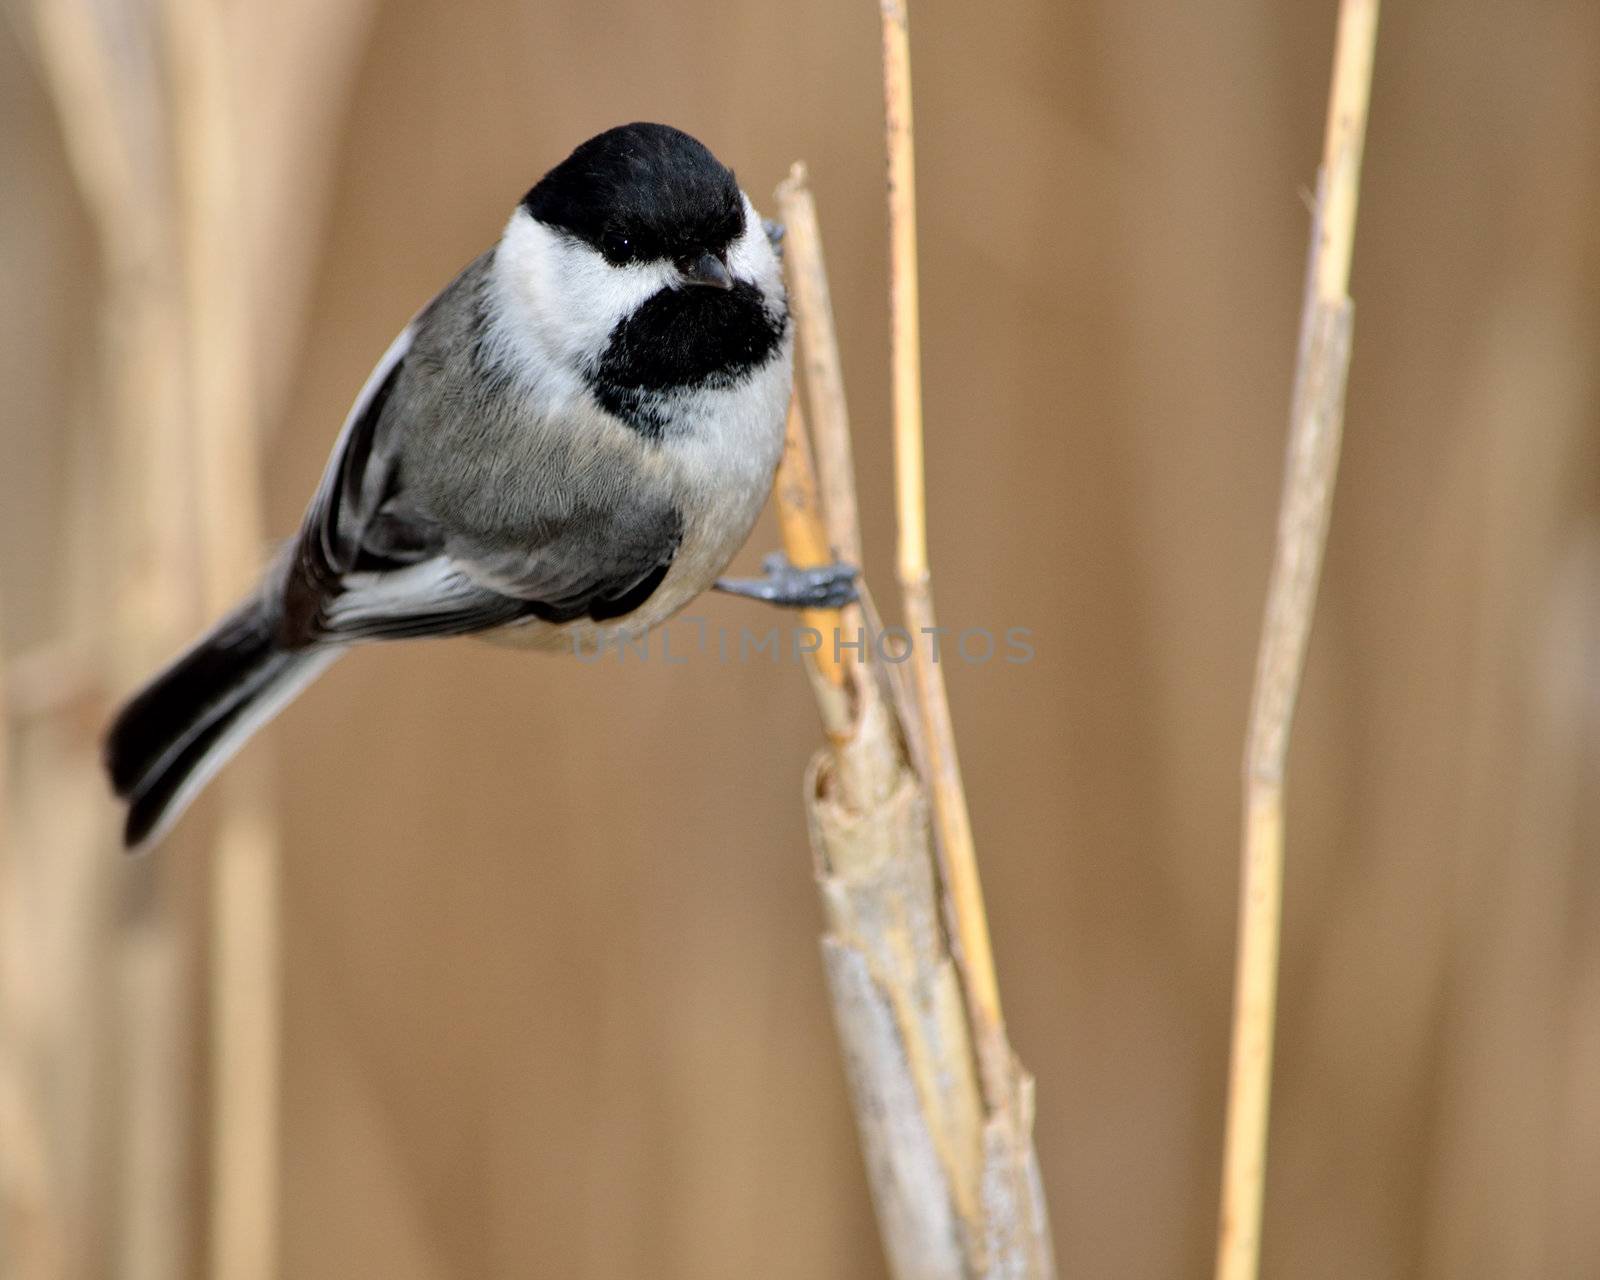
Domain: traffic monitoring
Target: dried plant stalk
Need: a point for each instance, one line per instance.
(954, 1180)
(805, 541)
(1315, 426)
(154, 141)
(835, 498)
(5, 736)
(55, 1143)
(29, 1231)
(849, 699)
(959, 864)
(116, 1045)
(820, 363)
(244, 924)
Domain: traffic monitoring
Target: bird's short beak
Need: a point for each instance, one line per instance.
(707, 269)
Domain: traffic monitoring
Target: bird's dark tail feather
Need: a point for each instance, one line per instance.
(183, 726)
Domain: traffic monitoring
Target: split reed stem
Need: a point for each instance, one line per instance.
(822, 369)
(958, 857)
(954, 1179)
(1315, 427)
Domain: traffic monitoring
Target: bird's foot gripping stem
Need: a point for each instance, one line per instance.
(828, 586)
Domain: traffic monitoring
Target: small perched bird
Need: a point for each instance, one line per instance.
(572, 439)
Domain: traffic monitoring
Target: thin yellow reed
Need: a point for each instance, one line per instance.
(1315, 427)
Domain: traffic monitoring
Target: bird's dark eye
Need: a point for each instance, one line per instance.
(616, 246)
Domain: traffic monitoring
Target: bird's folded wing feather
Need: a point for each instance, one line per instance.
(366, 566)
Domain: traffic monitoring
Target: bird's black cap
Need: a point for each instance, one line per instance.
(641, 192)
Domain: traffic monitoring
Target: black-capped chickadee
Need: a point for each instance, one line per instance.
(574, 438)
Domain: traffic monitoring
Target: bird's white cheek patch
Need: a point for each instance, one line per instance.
(606, 294)
(567, 292)
(751, 256)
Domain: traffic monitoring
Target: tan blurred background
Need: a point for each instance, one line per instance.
(551, 998)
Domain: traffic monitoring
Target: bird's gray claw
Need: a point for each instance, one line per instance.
(828, 586)
(774, 232)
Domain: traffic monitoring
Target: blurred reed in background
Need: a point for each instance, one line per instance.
(550, 996)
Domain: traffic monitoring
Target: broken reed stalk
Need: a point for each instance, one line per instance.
(118, 1125)
(27, 1229)
(805, 541)
(5, 753)
(819, 517)
(959, 864)
(821, 367)
(25, 1220)
(5, 734)
(954, 1181)
(244, 912)
(153, 144)
(1315, 425)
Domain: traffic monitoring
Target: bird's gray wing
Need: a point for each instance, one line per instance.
(368, 565)
(359, 470)
(334, 531)
(573, 569)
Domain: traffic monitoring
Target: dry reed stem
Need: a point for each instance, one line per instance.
(820, 363)
(54, 930)
(132, 925)
(5, 743)
(822, 380)
(820, 520)
(847, 692)
(23, 1185)
(1316, 423)
(955, 1184)
(957, 1192)
(244, 924)
(105, 104)
(29, 1248)
(905, 355)
(805, 539)
(959, 856)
